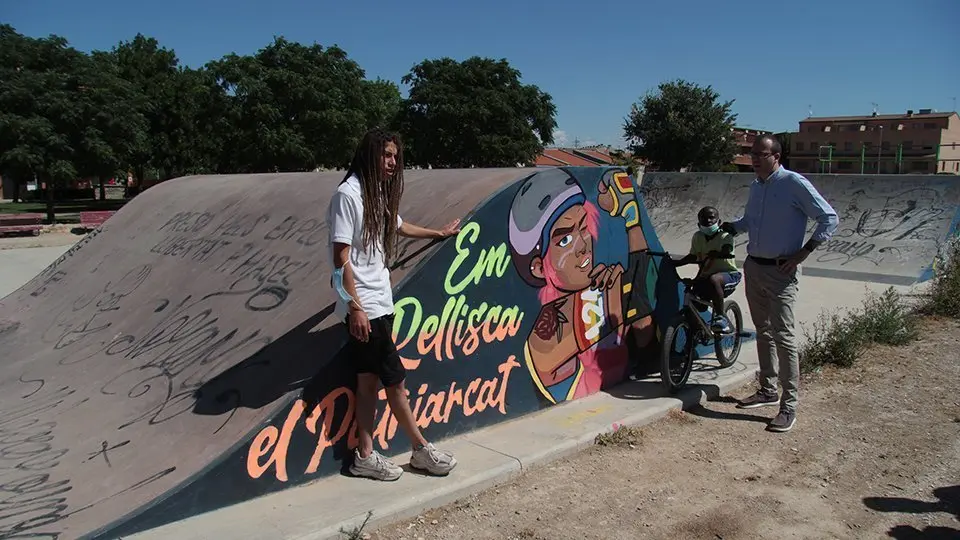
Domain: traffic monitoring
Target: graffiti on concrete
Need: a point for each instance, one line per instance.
(533, 303)
(890, 228)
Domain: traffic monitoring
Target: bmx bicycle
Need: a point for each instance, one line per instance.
(691, 329)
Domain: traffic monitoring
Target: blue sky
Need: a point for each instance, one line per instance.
(595, 58)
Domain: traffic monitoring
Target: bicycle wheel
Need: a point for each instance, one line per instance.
(727, 346)
(676, 354)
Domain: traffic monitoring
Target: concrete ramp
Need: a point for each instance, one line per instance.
(891, 226)
(184, 357)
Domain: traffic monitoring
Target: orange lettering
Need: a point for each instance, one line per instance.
(505, 368)
(469, 409)
(327, 407)
(279, 455)
(258, 448)
(455, 397)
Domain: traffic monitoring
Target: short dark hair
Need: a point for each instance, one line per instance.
(706, 209)
(774, 143)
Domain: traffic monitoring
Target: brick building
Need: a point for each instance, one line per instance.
(919, 142)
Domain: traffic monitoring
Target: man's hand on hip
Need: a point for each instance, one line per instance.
(789, 265)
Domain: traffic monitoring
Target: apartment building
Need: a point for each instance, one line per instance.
(922, 142)
(745, 138)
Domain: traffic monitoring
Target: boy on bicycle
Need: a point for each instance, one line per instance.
(712, 249)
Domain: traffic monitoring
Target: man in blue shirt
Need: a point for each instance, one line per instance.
(779, 205)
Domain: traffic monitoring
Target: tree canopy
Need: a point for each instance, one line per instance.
(474, 113)
(682, 125)
(66, 114)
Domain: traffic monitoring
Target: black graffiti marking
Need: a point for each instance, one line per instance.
(187, 222)
(104, 448)
(56, 277)
(268, 298)
(40, 383)
(197, 249)
(30, 498)
(309, 232)
(70, 252)
(187, 338)
(265, 275)
(85, 324)
(241, 225)
(847, 252)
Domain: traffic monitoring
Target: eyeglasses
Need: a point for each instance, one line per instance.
(761, 154)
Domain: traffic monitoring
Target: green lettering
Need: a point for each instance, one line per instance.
(400, 310)
(492, 261)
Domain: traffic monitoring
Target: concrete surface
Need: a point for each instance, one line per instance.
(487, 457)
(173, 289)
(494, 455)
(891, 226)
(18, 266)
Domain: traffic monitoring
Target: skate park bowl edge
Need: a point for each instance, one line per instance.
(185, 356)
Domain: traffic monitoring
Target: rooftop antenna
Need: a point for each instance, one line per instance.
(809, 111)
(874, 108)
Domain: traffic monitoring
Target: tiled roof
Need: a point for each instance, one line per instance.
(544, 161)
(568, 157)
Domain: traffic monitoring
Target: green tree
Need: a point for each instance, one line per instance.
(295, 107)
(113, 133)
(683, 125)
(38, 109)
(474, 113)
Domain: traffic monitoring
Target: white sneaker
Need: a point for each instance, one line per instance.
(375, 466)
(434, 461)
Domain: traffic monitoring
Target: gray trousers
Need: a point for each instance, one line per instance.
(771, 295)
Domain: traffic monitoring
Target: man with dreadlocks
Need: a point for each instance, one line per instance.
(364, 223)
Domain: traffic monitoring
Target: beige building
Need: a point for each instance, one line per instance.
(922, 142)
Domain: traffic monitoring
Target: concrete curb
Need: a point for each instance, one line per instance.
(415, 505)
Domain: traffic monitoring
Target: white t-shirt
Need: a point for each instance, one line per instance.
(372, 277)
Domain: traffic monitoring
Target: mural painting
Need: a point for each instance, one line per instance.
(541, 298)
(588, 305)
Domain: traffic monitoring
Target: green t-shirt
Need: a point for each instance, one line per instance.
(701, 245)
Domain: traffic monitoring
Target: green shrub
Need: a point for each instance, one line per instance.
(834, 339)
(943, 296)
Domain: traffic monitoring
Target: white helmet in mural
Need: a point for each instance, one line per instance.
(541, 199)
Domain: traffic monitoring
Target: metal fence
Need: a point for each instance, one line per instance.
(888, 159)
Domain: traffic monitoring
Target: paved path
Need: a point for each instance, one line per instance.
(18, 266)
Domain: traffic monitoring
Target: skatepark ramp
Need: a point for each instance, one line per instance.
(184, 357)
(892, 227)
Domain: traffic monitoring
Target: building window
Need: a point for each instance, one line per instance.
(799, 147)
(848, 146)
(929, 125)
(885, 145)
(826, 129)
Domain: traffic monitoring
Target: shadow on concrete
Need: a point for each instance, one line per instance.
(948, 501)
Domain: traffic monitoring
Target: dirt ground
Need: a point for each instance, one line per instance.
(875, 454)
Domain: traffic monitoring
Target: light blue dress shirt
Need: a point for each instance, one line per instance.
(776, 215)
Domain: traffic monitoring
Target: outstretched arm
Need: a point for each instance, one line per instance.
(415, 231)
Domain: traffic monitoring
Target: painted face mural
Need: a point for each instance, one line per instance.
(588, 306)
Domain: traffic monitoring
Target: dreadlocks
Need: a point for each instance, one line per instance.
(381, 195)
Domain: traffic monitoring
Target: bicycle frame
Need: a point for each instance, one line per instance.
(688, 307)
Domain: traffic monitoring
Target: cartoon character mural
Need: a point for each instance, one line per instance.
(588, 308)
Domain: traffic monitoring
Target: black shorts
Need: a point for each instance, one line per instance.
(636, 297)
(379, 353)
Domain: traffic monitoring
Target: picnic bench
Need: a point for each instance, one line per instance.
(93, 219)
(19, 223)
